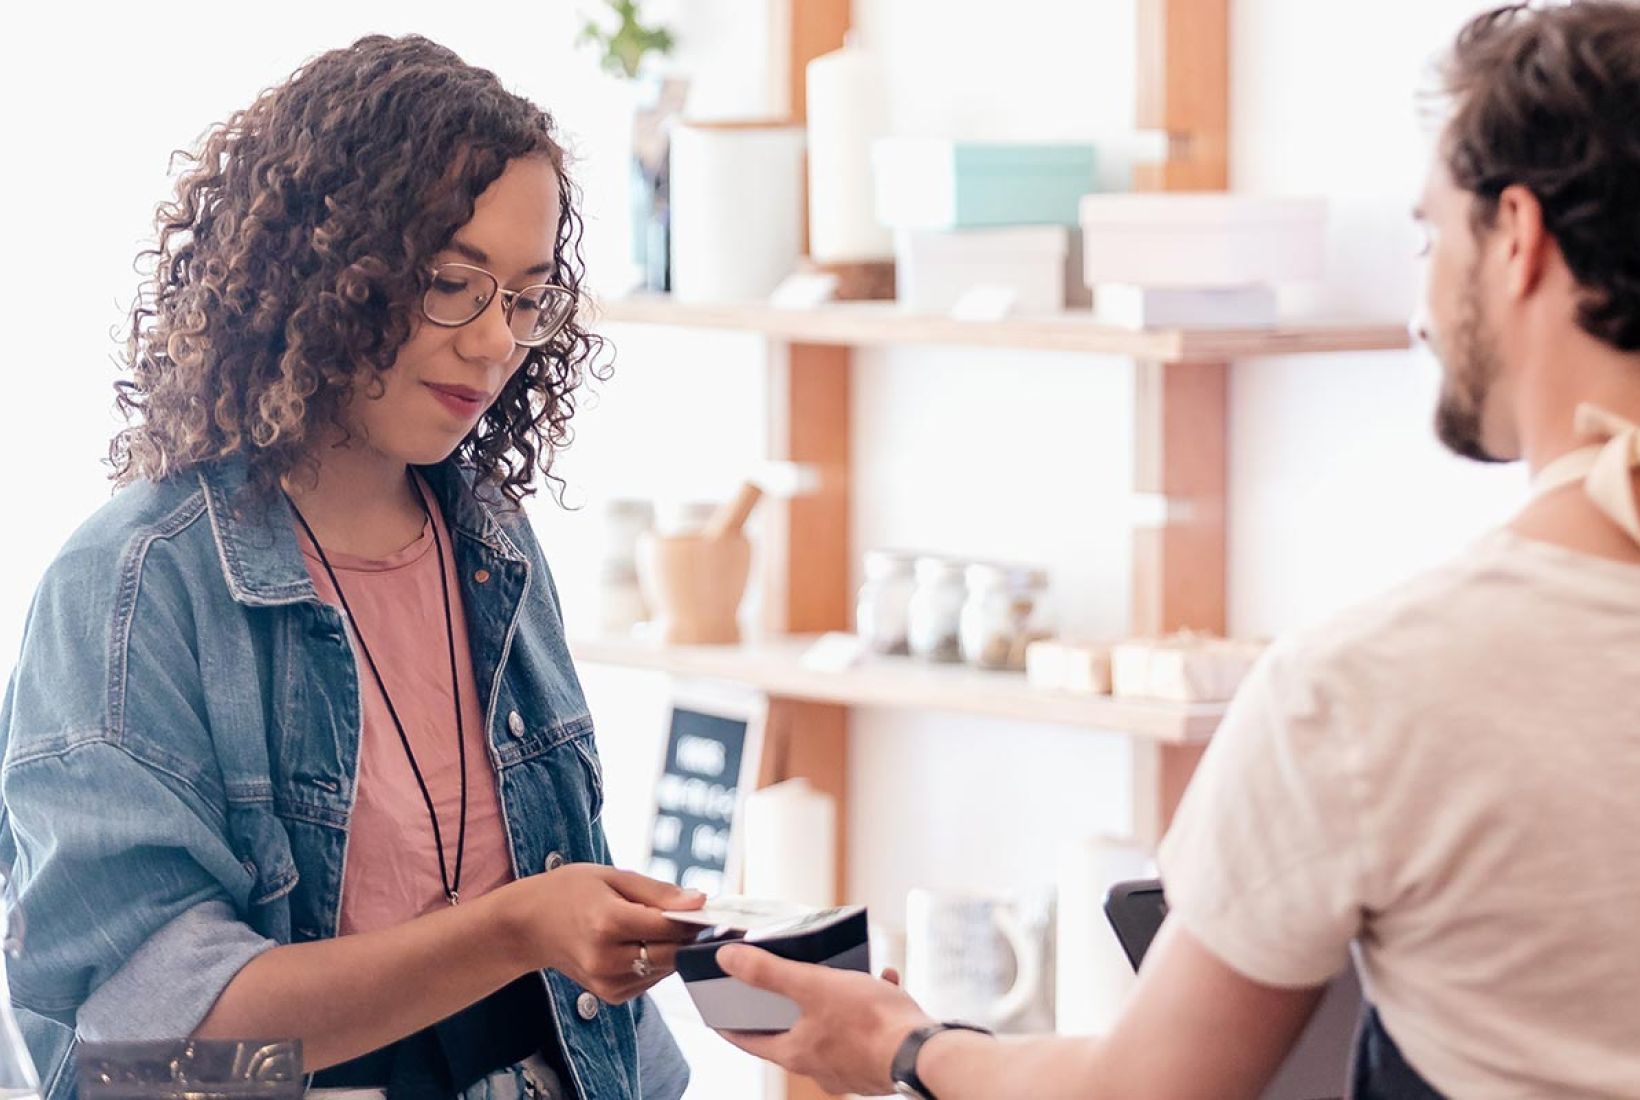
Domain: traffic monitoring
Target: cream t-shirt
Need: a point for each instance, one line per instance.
(1451, 776)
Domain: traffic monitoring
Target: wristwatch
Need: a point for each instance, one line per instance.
(904, 1070)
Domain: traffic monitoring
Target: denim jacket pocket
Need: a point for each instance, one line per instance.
(260, 842)
(553, 793)
(588, 752)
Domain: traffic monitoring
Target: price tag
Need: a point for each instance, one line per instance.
(986, 302)
(804, 290)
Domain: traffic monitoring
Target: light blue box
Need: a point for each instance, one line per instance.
(937, 184)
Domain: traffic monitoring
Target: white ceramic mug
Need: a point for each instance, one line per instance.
(985, 960)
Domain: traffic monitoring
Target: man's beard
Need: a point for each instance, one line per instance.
(1471, 361)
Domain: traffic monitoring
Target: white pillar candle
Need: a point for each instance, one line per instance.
(847, 109)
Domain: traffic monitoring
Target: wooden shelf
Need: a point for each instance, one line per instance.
(776, 667)
(880, 324)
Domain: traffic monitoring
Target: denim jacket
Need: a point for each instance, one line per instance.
(181, 739)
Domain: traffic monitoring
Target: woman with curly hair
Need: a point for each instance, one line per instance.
(294, 746)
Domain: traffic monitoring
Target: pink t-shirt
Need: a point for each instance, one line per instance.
(391, 873)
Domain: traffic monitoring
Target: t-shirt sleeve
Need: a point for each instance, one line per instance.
(1263, 864)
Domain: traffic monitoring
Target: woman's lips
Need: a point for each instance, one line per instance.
(463, 401)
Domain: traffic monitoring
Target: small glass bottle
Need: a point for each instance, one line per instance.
(1004, 612)
(934, 619)
(883, 609)
(620, 599)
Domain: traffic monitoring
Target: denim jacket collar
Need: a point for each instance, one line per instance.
(256, 539)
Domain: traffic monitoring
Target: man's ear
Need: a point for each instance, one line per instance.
(1526, 244)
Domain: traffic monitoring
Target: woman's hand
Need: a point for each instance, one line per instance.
(588, 922)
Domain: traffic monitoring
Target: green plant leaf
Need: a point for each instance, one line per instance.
(625, 48)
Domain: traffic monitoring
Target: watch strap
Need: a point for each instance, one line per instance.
(903, 1072)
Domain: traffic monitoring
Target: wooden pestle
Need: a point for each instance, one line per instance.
(732, 515)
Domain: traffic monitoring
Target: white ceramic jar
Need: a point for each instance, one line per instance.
(620, 600)
(934, 622)
(1004, 612)
(882, 611)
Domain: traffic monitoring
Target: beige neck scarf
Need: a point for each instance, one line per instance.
(1603, 467)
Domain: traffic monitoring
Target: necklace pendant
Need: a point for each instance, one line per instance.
(454, 896)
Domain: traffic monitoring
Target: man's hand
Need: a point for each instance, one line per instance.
(1193, 1029)
(851, 1026)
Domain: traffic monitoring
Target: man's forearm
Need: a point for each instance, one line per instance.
(962, 1065)
(347, 996)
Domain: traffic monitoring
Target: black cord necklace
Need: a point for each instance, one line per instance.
(451, 883)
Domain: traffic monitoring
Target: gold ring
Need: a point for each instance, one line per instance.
(641, 966)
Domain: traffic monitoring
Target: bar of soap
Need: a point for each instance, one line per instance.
(1182, 668)
(1062, 664)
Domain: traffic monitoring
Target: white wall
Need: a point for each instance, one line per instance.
(998, 455)
(1336, 486)
(93, 111)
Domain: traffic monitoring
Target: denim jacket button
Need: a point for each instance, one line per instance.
(515, 724)
(586, 1007)
(481, 576)
(555, 860)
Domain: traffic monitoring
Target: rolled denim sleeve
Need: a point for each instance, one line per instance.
(129, 888)
(169, 984)
(115, 801)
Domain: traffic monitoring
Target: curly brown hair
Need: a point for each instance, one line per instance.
(1549, 98)
(287, 268)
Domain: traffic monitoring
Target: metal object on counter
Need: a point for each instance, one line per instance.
(192, 1069)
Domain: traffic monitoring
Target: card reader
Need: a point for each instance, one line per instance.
(829, 937)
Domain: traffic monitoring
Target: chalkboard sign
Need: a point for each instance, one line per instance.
(711, 761)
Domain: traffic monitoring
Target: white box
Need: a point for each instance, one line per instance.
(1125, 305)
(1203, 239)
(933, 269)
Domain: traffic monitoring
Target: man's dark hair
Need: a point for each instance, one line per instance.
(1548, 97)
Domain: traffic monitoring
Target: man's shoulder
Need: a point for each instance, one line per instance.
(1403, 643)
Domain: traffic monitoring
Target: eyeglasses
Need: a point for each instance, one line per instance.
(460, 293)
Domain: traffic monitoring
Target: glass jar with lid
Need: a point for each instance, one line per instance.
(1004, 611)
(883, 608)
(620, 598)
(934, 619)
